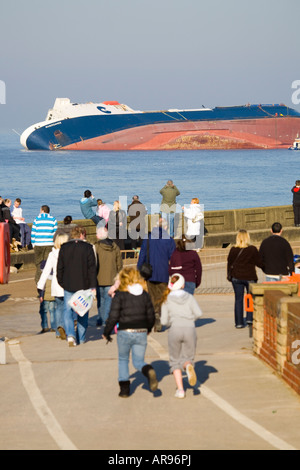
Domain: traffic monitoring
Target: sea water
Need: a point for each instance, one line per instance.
(221, 179)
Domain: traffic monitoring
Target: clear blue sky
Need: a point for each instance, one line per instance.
(149, 54)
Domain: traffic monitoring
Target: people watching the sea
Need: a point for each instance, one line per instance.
(25, 230)
(42, 233)
(102, 210)
(296, 203)
(86, 205)
(117, 225)
(14, 228)
(168, 204)
(137, 214)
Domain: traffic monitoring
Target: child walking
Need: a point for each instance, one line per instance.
(132, 310)
(179, 311)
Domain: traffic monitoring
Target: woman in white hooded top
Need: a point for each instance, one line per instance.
(194, 216)
(57, 291)
(179, 310)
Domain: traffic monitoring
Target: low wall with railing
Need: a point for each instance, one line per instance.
(276, 328)
(220, 228)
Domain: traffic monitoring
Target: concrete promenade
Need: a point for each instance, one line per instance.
(54, 397)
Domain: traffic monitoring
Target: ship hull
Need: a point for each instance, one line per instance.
(207, 136)
(220, 128)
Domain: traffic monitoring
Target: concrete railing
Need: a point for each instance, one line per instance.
(220, 227)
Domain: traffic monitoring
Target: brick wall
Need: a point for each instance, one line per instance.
(268, 350)
(291, 368)
(276, 329)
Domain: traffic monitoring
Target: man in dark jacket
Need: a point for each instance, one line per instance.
(2, 205)
(276, 254)
(76, 270)
(137, 222)
(296, 203)
(161, 247)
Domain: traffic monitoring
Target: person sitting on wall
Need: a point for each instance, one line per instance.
(86, 205)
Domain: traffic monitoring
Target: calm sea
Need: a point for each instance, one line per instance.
(220, 179)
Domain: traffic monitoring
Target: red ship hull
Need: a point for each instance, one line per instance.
(267, 133)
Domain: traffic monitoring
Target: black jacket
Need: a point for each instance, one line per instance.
(244, 263)
(130, 311)
(2, 206)
(296, 196)
(277, 256)
(76, 266)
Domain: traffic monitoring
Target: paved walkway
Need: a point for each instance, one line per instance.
(54, 397)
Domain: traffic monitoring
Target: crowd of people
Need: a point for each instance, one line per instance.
(19, 231)
(157, 293)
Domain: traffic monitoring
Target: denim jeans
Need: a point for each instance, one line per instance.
(190, 287)
(103, 302)
(25, 232)
(239, 287)
(69, 317)
(270, 278)
(59, 313)
(45, 307)
(137, 344)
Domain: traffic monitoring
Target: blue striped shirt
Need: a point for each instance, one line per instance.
(43, 230)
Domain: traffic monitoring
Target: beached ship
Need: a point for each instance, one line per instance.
(113, 126)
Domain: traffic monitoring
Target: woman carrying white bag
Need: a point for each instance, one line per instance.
(76, 271)
(56, 290)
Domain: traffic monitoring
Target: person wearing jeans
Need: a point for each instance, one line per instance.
(241, 268)
(133, 311)
(136, 342)
(239, 287)
(69, 316)
(76, 270)
(103, 304)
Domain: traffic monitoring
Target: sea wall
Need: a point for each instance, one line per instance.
(220, 228)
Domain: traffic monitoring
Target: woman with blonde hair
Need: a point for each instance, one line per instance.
(194, 216)
(241, 268)
(132, 310)
(56, 290)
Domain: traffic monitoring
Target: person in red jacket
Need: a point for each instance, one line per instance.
(296, 203)
(187, 263)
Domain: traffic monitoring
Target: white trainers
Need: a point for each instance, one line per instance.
(71, 342)
(179, 394)
(192, 378)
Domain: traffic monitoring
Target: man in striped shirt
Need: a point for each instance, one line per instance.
(43, 229)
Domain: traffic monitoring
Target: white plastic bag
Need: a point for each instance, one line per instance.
(82, 301)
